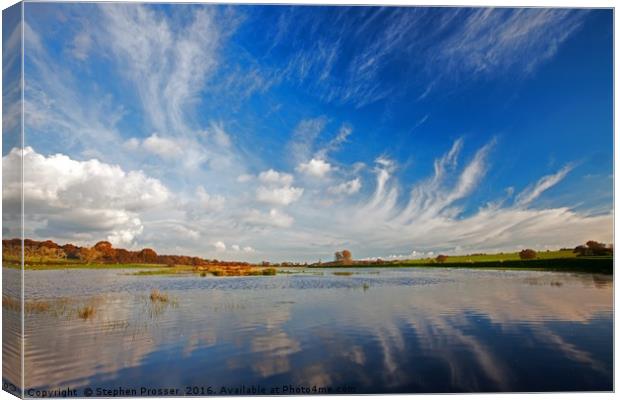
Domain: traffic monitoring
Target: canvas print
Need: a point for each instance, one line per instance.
(225, 199)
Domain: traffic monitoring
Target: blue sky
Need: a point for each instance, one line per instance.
(272, 132)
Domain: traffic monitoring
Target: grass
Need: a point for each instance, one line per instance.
(157, 296)
(33, 306)
(602, 265)
(243, 270)
(564, 260)
(177, 269)
(86, 312)
(343, 273)
(65, 264)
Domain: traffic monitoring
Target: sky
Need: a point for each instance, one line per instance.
(290, 132)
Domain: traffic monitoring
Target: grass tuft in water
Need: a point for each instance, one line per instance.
(343, 273)
(156, 296)
(86, 312)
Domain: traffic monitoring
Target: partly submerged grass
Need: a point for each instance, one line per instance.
(177, 269)
(73, 265)
(86, 312)
(32, 306)
(343, 273)
(157, 296)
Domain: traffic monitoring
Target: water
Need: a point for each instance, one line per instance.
(376, 331)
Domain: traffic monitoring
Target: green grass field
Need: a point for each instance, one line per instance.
(499, 257)
(564, 260)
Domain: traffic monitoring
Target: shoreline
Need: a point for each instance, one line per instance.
(601, 265)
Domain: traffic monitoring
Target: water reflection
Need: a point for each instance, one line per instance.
(409, 331)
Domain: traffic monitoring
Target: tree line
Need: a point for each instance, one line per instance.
(101, 252)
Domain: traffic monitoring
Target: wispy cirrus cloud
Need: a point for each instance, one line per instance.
(546, 182)
(458, 43)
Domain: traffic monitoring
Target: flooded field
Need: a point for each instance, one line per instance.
(370, 331)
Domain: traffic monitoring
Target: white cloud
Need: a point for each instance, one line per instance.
(272, 218)
(82, 43)
(278, 196)
(531, 193)
(219, 135)
(492, 39)
(334, 144)
(131, 144)
(83, 200)
(167, 66)
(235, 247)
(315, 167)
(209, 202)
(219, 246)
(350, 187)
(275, 177)
(243, 178)
(163, 147)
(304, 136)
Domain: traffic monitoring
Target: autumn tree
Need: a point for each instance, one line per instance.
(88, 254)
(346, 257)
(147, 256)
(527, 254)
(108, 254)
(338, 256)
(72, 251)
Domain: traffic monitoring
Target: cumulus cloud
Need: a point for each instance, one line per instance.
(276, 188)
(245, 249)
(84, 200)
(278, 196)
(315, 167)
(275, 178)
(219, 246)
(209, 202)
(163, 147)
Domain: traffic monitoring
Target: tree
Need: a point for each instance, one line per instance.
(594, 248)
(441, 258)
(72, 251)
(147, 256)
(527, 254)
(107, 252)
(581, 250)
(89, 254)
(346, 257)
(338, 256)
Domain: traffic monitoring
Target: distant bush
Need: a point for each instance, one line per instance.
(527, 254)
(441, 258)
(594, 248)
